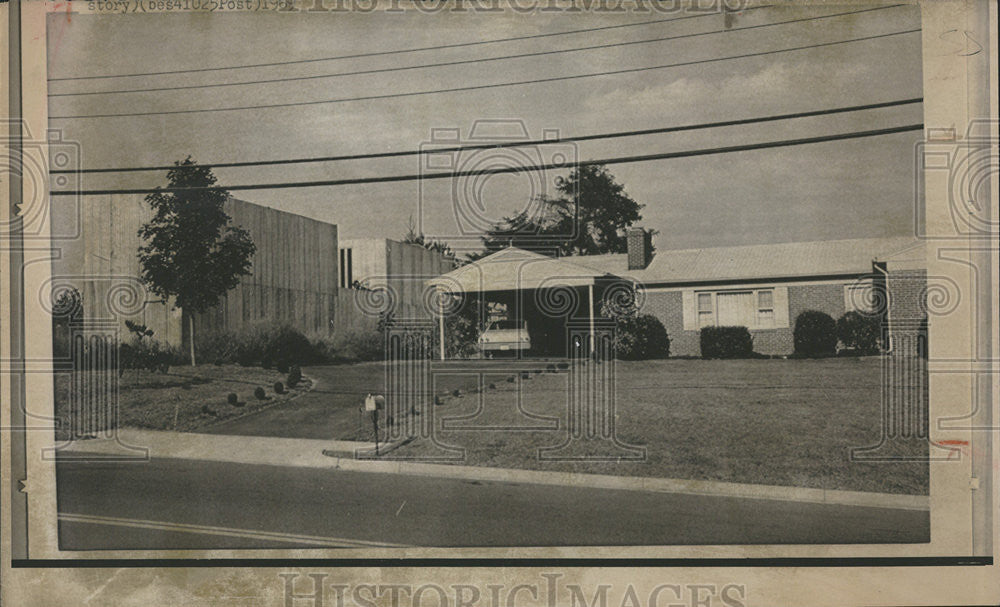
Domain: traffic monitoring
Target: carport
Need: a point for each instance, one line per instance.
(513, 273)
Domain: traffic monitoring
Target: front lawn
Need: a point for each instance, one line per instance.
(185, 398)
(774, 422)
(330, 411)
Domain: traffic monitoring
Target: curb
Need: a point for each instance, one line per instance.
(641, 483)
(340, 455)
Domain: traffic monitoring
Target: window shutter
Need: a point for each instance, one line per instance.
(690, 310)
(780, 307)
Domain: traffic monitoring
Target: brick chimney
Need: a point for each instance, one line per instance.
(640, 248)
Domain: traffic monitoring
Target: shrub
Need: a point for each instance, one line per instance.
(220, 348)
(456, 392)
(493, 386)
(146, 354)
(245, 357)
(138, 330)
(815, 334)
(640, 337)
(294, 376)
(232, 399)
(461, 332)
(279, 388)
(286, 346)
(268, 346)
(259, 393)
(358, 345)
(726, 342)
(859, 332)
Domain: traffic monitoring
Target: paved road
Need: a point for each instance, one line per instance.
(186, 504)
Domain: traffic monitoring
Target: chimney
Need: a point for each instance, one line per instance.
(640, 248)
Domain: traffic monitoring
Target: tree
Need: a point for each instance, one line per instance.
(192, 253)
(438, 246)
(590, 216)
(67, 311)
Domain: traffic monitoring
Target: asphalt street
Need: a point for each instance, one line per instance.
(188, 504)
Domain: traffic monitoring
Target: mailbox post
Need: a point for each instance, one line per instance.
(372, 405)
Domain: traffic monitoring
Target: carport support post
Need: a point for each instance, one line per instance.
(441, 324)
(590, 296)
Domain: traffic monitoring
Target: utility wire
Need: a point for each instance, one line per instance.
(509, 144)
(466, 61)
(516, 169)
(490, 86)
(399, 51)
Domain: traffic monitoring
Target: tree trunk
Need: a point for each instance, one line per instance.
(191, 336)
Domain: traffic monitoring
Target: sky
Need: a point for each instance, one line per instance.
(844, 189)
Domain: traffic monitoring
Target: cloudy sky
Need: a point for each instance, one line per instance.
(845, 189)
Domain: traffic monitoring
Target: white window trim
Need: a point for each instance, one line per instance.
(714, 311)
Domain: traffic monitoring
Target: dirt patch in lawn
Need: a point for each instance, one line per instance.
(774, 422)
(185, 399)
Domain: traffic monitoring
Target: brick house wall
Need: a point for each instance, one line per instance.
(907, 311)
(668, 307)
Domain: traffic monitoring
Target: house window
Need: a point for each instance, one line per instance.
(753, 309)
(346, 269)
(706, 311)
(765, 309)
(860, 296)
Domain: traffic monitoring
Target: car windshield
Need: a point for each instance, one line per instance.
(507, 325)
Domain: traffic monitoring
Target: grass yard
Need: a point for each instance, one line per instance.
(186, 399)
(330, 410)
(775, 422)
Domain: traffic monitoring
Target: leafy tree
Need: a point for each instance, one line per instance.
(192, 253)
(67, 310)
(589, 216)
(438, 246)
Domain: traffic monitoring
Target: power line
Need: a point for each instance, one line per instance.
(516, 169)
(466, 61)
(399, 51)
(490, 86)
(512, 144)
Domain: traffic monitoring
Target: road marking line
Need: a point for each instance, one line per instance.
(400, 507)
(226, 531)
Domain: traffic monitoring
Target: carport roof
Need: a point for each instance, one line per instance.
(516, 269)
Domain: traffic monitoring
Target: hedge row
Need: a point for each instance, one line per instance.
(815, 334)
(726, 342)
